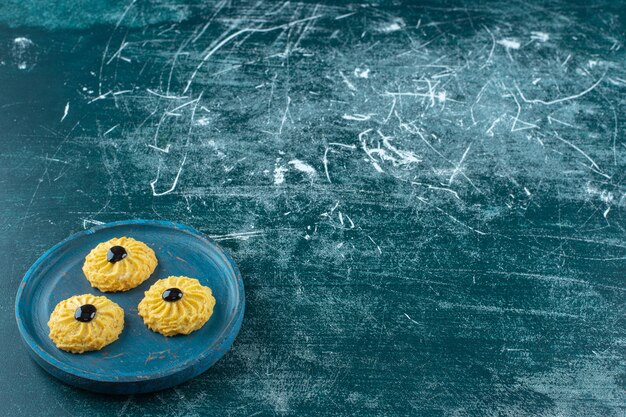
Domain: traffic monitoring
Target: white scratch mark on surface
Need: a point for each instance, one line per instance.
(408, 317)
(236, 34)
(218, 8)
(166, 95)
(569, 56)
(398, 157)
(509, 43)
(502, 310)
(516, 119)
(406, 157)
(56, 160)
(325, 157)
(106, 48)
(110, 130)
(351, 222)
(282, 122)
(279, 174)
(125, 406)
(39, 182)
(413, 129)
(394, 26)
(604, 195)
(376, 244)
(164, 150)
(552, 119)
(118, 53)
(173, 187)
(342, 145)
(193, 115)
(559, 100)
(583, 153)
(21, 47)
(540, 36)
(343, 16)
(303, 167)
(203, 121)
(459, 165)
(347, 81)
(493, 47)
(620, 82)
(391, 109)
(362, 73)
(65, 111)
(184, 104)
(489, 131)
(432, 187)
(86, 222)
(358, 117)
(237, 236)
(454, 219)
(325, 162)
(100, 97)
(377, 167)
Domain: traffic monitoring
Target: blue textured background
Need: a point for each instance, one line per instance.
(426, 199)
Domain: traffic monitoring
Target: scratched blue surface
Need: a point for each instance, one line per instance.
(140, 360)
(426, 199)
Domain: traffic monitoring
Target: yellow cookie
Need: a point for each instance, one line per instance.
(176, 305)
(119, 264)
(85, 322)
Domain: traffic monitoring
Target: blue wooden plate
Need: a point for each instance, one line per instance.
(140, 360)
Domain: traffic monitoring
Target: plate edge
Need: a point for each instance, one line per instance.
(234, 323)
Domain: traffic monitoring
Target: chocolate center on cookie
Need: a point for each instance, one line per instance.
(116, 254)
(172, 294)
(85, 313)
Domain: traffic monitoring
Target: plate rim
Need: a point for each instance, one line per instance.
(210, 350)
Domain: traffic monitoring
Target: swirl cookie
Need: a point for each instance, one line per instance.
(85, 322)
(176, 305)
(119, 264)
